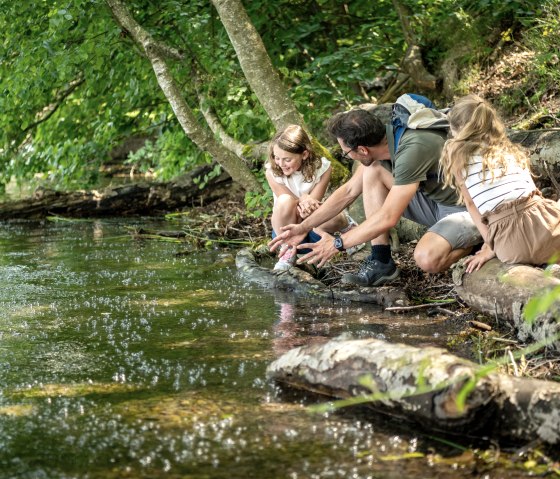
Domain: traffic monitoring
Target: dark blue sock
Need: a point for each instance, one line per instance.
(381, 252)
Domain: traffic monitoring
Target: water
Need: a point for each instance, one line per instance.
(120, 358)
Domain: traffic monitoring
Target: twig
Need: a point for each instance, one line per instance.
(445, 311)
(418, 306)
(479, 325)
(512, 359)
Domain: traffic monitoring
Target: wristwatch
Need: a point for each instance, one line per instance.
(338, 244)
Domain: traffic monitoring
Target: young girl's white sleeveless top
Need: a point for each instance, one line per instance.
(487, 194)
(296, 182)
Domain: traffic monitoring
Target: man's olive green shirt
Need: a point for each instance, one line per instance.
(417, 160)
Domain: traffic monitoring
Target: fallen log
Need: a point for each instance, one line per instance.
(502, 291)
(425, 386)
(122, 200)
(303, 283)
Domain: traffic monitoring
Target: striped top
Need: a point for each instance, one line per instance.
(488, 194)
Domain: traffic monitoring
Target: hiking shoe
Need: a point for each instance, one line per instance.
(373, 273)
(287, 259)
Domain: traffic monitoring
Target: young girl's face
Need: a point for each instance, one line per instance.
(288, 162)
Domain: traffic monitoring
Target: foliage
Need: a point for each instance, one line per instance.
(74, 85)
(259, 205)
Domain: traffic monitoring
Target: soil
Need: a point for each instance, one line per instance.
(508, 76)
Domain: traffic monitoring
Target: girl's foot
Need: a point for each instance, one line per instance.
(287, 259)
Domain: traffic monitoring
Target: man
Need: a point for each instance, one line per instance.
(406, 183)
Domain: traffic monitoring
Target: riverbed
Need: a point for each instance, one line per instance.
(128, 358)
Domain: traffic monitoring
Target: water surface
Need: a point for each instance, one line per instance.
(123, 358)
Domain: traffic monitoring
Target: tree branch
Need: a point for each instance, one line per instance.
(157, 54)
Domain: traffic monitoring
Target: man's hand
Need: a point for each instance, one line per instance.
(322, 251)
(474, 263)
(291, 235)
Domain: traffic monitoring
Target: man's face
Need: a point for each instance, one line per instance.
(365, 155)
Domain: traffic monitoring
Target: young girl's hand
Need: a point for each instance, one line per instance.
(474, 263)
(307, 205)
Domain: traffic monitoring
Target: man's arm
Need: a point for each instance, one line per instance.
(340, 199)
(380, 222)
(384, 219)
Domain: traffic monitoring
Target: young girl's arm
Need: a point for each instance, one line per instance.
(320, 188)
(310, 202)
(472, 209)
(277, 188)
(474, 263)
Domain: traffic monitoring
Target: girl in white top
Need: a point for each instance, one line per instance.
(299, 179)
(494, 180)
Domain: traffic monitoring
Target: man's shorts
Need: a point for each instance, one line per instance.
(453, 223)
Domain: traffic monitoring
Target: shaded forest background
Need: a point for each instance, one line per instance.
(161, 88)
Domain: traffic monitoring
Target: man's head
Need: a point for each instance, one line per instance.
(361, 136)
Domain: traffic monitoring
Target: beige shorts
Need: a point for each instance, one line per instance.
(526, 230)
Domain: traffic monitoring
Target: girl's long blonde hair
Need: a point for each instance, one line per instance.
(477, 131)
(295, 139)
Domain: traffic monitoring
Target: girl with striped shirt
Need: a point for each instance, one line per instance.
(493, 179)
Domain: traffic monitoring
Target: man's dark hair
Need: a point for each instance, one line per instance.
(357, 128)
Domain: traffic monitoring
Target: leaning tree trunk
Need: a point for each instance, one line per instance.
(412, 62)
(157, 54)
(256, 65)
(425, 385)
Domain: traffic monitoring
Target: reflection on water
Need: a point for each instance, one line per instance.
(120, 359)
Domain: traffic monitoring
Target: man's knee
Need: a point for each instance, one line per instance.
(429, 260)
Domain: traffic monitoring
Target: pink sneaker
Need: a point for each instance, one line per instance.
(287, 259)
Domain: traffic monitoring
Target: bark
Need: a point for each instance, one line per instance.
(544, 148)
(131, 199)
(157, 54)
(423, 385)
(303, 283)
(412, 62)
(256, 65)
(413, 65)
(502, 291)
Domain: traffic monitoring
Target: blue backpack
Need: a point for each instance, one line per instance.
(412, 111)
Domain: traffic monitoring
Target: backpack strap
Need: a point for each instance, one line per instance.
(415, 112)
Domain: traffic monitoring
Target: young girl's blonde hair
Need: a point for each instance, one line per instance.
(294, 139)
(479, 131)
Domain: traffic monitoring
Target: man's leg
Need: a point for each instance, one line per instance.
(433, 253)
(446, 242)
(379, 268)
(377, 182)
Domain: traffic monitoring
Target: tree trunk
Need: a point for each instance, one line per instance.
(412, 61)
(502, 291)
(256, 65)
(424, 385)
(131, 199)
(544, 148)
(237, 169)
